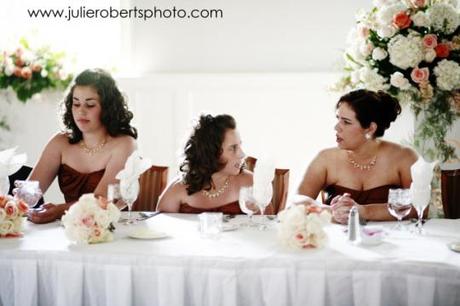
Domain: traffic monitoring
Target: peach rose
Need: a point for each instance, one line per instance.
(11, 209)
(418, 3)
(23, 207)
(430, 41)
(36, 67)
(419, 75)
(17, 71)
(88, 221)
(19, 62)
(402, 20)
(3, 200)
(442, 50)
(26, 73)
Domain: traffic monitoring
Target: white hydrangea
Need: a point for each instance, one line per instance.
(398, 80)
(451, 2)
(379, 54)
(386, 13)
(447, 75)
(421, 19)
(443, 18)
(405, 52)
(372, 79)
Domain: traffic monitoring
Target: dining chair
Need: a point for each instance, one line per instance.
(450, 193)
(152, 183)
(280, 187)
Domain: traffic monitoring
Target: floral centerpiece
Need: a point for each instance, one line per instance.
(302, 226)
(90, 220)
(411, 49)
(12, 212)
(29, 71)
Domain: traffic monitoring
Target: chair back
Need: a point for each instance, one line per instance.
(280, 187)
(152, 183)
(450, 192)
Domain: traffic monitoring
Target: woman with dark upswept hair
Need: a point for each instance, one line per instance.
(97, 140)
(362, 168)
(212, 170)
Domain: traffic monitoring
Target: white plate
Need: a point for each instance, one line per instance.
(454, 246)
(146, 233)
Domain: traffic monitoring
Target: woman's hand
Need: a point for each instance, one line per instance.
(46, 213)
(340, 206)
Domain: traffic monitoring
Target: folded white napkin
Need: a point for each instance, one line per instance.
(264, 171)
(422, 173)
(129, 176)
(9, 164)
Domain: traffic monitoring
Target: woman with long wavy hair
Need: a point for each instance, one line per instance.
(212, 170)
(93, 147)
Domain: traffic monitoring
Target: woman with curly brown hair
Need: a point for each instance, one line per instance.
(97, 140)
(212, 170)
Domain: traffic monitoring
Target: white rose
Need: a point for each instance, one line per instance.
(386, 31)
(430, 55)
(6, 227)
(366, 49)
(44, 73)
(9, 70)
(379, 54)
(421, 19)
(398, 80)
(372, 80)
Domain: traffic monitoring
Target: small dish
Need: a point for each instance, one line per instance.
(454, 246)
(146, 233)
(372, 235)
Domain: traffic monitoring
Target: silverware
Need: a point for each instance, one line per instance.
(144, 215)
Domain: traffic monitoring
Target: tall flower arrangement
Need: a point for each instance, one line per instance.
(29, 71)
(411, 49)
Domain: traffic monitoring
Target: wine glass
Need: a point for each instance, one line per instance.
(420, 199)
(248, 204)
(114, 196)
(263, 197)
(399, 205)
(28, 191)
(129, 190)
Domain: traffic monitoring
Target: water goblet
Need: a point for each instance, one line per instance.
(114, 196)
(399, 205)
(248, 204)
(420, 199)
(263, 198)
(129, 191)
(28, 191)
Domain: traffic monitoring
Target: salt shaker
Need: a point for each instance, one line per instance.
(353, 224)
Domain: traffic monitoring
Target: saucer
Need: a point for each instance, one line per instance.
(454, 246)
(146, 233)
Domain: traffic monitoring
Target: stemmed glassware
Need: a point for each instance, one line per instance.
(253, 202)
(248, 204)
(123, 199)
(399, 205)
(28, 191)
(129, 191)
(420, 199)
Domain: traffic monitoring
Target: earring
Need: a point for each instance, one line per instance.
(368, 136)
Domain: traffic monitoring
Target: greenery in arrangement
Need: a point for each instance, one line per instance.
(29, 71)
(411, 49)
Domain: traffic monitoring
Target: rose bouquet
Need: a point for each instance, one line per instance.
(12, 212)
(302, 226)
(29, 71)
(90, 220)
(411, 49)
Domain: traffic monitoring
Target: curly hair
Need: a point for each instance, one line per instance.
(370, 106)
(115, 115)
(203, 151)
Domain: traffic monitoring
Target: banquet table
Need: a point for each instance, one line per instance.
(245, 266)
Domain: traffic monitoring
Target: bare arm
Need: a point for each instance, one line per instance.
(47, 166)
(120, 154)
(315, 177)
(171, 198)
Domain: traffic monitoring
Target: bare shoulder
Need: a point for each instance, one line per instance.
(244, 178)
(125, 142)
(58, 141)
(325, 156)
(400, 153)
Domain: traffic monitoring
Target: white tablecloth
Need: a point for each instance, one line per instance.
(243, 267)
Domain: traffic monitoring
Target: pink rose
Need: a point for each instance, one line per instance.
(97, 232)
(430, 41)
(88, 221)
(11, 210)
(402, 20)
(36, 67)
(23, 207)
(26, 73)
(420, 75)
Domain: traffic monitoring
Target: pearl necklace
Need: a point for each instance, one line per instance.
(361, 167)
(93, 150)
(214, 194)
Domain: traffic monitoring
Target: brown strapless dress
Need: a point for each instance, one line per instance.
(230, 209)
(74, 184)
(374, 195)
